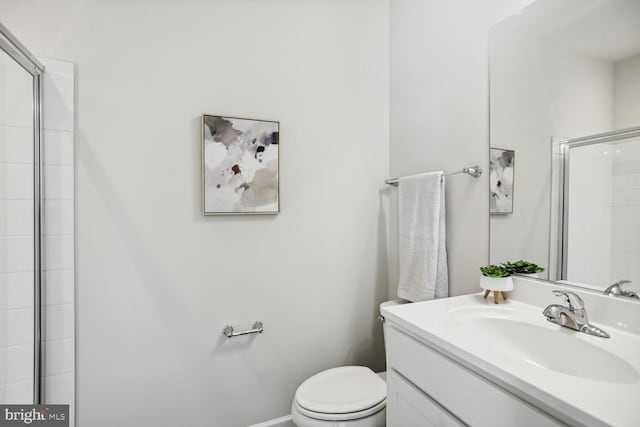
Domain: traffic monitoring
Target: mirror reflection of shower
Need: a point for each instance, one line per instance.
(599, 226)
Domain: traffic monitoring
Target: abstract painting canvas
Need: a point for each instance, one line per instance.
(501, 170)
(240, 165)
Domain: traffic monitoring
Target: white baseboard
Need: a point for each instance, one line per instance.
(285, 421)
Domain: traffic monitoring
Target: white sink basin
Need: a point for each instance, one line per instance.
(544, 345)
(593, 381)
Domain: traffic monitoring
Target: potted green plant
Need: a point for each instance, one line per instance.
(522, 267)
(495, 278)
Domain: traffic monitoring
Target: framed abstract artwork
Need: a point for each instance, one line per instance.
(240, 166)
(501, 173)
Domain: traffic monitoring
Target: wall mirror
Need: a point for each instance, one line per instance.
(565, 104)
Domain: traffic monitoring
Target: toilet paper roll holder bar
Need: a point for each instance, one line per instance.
(257, 329)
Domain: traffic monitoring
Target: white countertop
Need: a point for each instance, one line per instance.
(586, 395)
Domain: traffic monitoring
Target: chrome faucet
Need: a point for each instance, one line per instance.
(573, 315)
(616, 290)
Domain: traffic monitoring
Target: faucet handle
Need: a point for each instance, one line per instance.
(616, 289)
(573, 301)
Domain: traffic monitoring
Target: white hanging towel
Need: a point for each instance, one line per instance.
(422, 241)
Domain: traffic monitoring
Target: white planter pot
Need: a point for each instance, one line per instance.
(502, 284)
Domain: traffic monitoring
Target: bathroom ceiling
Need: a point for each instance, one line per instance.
(608, 30)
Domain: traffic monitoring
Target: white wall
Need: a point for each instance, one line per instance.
(539, 91)
(627, 92)
(439, 114)
(156, 281)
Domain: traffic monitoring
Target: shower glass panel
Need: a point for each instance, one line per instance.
(603, 221)
(17, 242)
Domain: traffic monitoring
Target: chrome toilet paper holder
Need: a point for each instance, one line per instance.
(257, 329)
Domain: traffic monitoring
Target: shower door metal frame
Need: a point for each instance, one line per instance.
(16, 50)
(565, 161)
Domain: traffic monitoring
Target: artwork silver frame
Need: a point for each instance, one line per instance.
(252, 149)
(501, 180)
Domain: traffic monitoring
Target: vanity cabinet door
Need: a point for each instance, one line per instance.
(408, 407)
(470, 397)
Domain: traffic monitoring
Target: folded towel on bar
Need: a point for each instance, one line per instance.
(422, 237)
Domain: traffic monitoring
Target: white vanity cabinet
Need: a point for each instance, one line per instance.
(425, 388)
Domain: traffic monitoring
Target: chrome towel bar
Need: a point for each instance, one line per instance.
(228, 330)
(474, 171)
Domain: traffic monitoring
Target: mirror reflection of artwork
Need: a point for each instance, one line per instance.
(239, 166)
(501, 164)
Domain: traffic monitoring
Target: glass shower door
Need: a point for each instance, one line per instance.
(17, 232)
(603, 230)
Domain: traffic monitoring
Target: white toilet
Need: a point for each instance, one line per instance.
(347, 396)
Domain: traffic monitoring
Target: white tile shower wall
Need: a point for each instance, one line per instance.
(16, 233)
(590, 200)
(625, 222)
(59, 258)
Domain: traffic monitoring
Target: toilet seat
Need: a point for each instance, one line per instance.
(341, 394)
(325, 416)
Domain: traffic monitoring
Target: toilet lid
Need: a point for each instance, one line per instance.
(341, 390)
